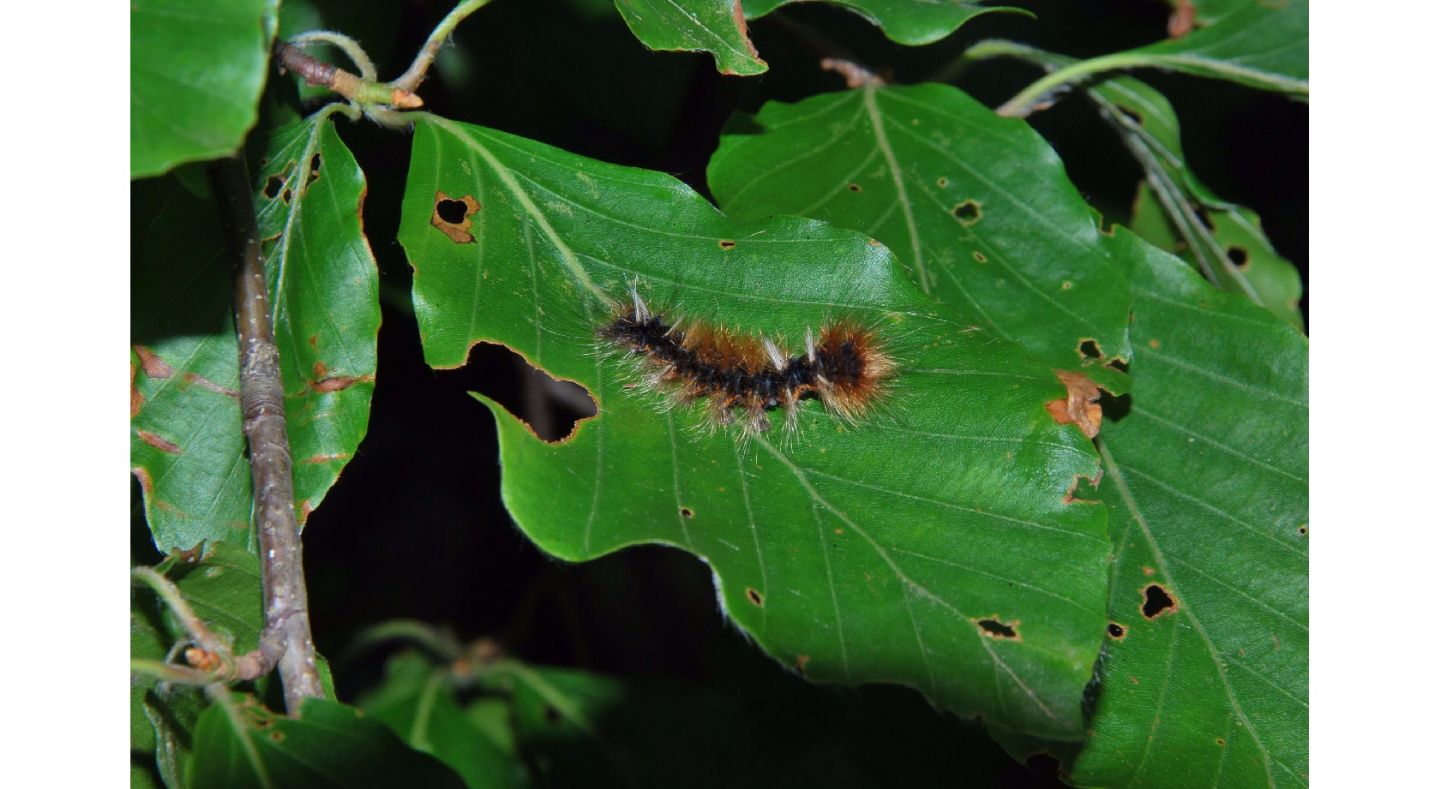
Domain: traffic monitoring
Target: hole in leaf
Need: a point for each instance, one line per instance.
(452, 211)
(273, 186)
(754, 596)
(854, 187)
(994, 628)
(452, 216)
(1238, 256)
(551, 408)
(726, 244)
(1206, 220)
(314, 170)
(552, 715)
(1043, 765)
(1131, 114)
(1089, 349)
(287, 196)
(1115, 630)
(687, 513)
(1304, 529)
(968, 212)
(1114, 408)
(1157, 602)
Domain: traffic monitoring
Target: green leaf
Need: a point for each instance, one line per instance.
(1206, 482)
(1264, 45)
(186, 443)
(911, 22)
(417, 701)
(718, 26)
(714, 26)
(1173, 209)
(900, 549)
(196, 70)
(223, 588)
(976, 206)
(239, 743)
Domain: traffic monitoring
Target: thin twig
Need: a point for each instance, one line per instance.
(361, 91)
(410, 80)
(262, 402)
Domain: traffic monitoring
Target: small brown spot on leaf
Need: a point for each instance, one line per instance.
(853, 187)
(314, 340)
(1066, 285)
(1157, 602)
(687, 513)
(726, 244)
(337, 382)
(1081, 406)
(1220, 741)
(1134, 680)
(800, 662)
(160, 443)
(195, 379)
(995, 628)
(754, 597)
(942, 182)
(153, 365)
(327, 458)
(277, 736)
(1154, 344)
(1182, 19)
(318, 369)
(967, 212)
(979, 256)
(452, 217)
(1148, 571)
(305, 510)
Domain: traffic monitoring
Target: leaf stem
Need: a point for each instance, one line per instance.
(344, 43)
(262, 402)
(410, 80)
(1026, 100)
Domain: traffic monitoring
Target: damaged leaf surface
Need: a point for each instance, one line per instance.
(1206, 482)
(978, 208)
(187, 447)
(864, 553)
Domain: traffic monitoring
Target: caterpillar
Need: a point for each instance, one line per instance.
(742, 378)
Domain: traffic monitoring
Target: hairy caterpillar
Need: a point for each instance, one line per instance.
(741, 378)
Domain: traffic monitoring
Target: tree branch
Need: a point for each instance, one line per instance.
(262, 403)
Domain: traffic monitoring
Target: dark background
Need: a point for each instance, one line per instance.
(415, 528)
